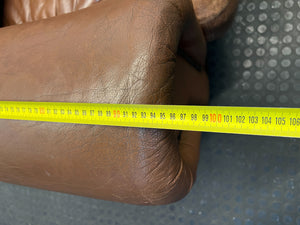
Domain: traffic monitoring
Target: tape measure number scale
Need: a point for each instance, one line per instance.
(284, 122)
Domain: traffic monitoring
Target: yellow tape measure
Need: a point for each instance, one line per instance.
(284, 122)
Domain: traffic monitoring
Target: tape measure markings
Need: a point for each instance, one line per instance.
(239, 120)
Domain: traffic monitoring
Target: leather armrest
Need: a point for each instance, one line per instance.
(214, 16)
(114, 52)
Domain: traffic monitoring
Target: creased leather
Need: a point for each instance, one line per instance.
(112, 52)
(21, 11)
(213, 15)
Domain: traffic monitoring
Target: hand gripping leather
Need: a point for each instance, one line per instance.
(113, 52)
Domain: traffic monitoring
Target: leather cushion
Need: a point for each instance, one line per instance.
(21, 11)
(113, 52)
(214, 16)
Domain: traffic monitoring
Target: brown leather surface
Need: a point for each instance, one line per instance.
(113, 52)
(213, 15)
(21, 11)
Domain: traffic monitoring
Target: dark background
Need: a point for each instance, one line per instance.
(1, 11)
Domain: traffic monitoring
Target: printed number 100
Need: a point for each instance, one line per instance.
(215, 118)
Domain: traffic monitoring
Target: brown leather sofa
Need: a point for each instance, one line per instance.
(113, 51)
